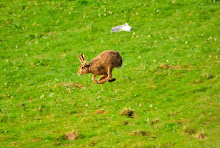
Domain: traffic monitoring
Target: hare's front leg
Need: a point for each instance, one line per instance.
(94, 80)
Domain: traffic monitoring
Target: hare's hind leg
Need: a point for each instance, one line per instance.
(103, 77)
(94, 80)
(109, 76)
(112, 80)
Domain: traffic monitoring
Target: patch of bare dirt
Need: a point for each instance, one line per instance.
(154, 121)
(71, 85)
(128, 112)
(36, 140)
(190, 131)
(100, 111)
(167, 66)
(169, 145)
(173, 114)
(140, 133)
(182, 121)
(71, 136)
(153, 86)
(153, 137)
(200, 136)
(196, 81)
(14, 144)
(126, 123)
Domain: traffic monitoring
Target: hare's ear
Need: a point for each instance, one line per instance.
(80, 58)
(83, 58)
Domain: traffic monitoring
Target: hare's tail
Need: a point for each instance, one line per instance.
(120, 67)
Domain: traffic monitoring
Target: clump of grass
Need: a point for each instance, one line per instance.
(128, 112)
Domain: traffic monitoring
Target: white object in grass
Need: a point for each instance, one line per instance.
(120, 28)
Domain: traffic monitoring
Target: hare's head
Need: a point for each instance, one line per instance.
(83, 68)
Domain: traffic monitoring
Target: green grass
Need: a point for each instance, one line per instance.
(39, 103)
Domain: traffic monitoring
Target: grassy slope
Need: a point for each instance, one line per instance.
(39, 41)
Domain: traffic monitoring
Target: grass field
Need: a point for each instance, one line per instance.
(169, 84)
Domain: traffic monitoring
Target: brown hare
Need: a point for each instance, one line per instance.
(102, 64)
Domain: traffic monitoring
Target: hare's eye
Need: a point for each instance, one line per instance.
(83, 67)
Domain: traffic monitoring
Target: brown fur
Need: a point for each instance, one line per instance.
(102, 64)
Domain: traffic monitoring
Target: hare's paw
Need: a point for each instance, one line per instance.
(101, 82)
(112, 80)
